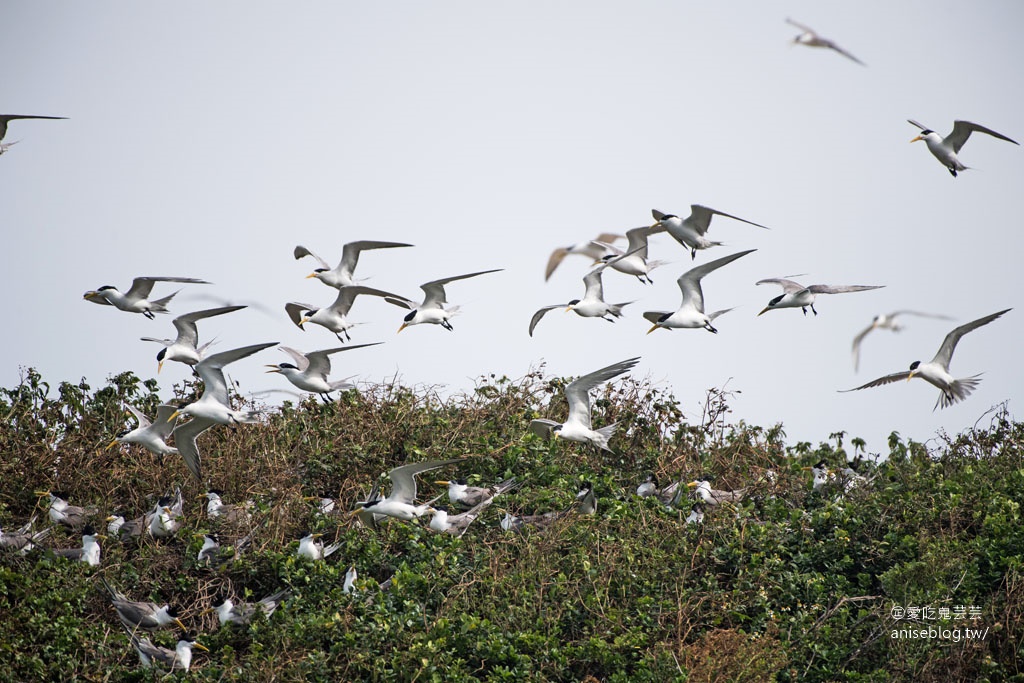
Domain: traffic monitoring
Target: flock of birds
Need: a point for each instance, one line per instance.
(311, 372)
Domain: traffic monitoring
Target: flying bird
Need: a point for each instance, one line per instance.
(461, 494)
(433, 309)
(592, 305)
(185, 348)
(136, 299)
(401, 502)
(335, 316)
(214, 406)
(690, 314)
(809, 38)
(633, 259)
(7, 118)
(150, 435)
(577, 426)
(946, 149)
(936, 371)
(592, 249)
(795, 295)
(342, 274)
(886, 321)
(310, 370)
(690, 231)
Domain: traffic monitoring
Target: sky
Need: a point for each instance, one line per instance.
(208, 139)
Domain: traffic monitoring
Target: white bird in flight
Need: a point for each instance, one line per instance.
(690, 314)
(342, 274)
(633, 259)
(7, 118)
(592, 249)
(795, 295)
(691, 231)
(810, 38)
(309, 371)
(335, 316)
(577, 426)
(946, 149)
(136, 299)
(401, 502)
(936, 371)
(214, 406)
(592, 305)
(150, 435)
(433, 309)
(185, 347)
(886, 321)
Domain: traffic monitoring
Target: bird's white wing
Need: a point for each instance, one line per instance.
(540, 314)
(856, 345)
(800, 26)
(142, 286)
(300, 359)
(920, 314)
(577, 391)
(841, 289)
(949, 343)
(210, 369)
(347, 297)
(637, 240)
(554, 260)
(963, 129)
(186, 324)
(700, 218)
(350, 252)
(434, 290)
(833, 46)
(788, 286)
(888, 379)
(142, 419)
(185, 441)
(301, 251)
(403, 479)
(320, 362)
(163, 425)
(689, 282)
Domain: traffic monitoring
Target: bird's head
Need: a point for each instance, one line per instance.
(317, 273)
(571, 305)
(913, 369)
(923, 135)
(772, 304)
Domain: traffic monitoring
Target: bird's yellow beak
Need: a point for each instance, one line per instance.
(42, 494)
(89, 295)
(312, 275)
(197, 646)
(404, 325)
(159, 367)
(111, 445)
(442, 483)
(766, 309)
(692, 485)
(173, 415)
(807, 469)
(206, 611)
(311, 498)
(653, 328)
(109, 519)
(273, 368)
(303, 321)
(911, 374)
(567, 309)
(917, 138)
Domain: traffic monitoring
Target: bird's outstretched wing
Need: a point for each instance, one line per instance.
(949, 343)
(577, 391)
(963, 129)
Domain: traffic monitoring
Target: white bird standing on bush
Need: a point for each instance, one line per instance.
(178, 659)
(242, 613)
(401, 502)
(577, 427)
(90, 550)
(148, 616)
(312, 549)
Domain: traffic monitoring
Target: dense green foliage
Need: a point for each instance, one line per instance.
(793, 584)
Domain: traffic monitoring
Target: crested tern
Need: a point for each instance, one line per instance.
(24, 539)
(147, 616)
(342, 274)
(886, 321)
(166, 519)
(150, 435)
(433, 309)
(592, 305)
(712, 497)
(178, 659)
(185, 348)
(456, 525)
(136, 300)
(586, 501)
(310, 370)
(810, 38)
(311, 548)
(217, 509)
(465, 496)
(64, 513)
(210, 552)
(633, 259)
(795, 295)
(242, 613)
(936, 371)
(822, 475)
(349, 586)
(7, 118)
(696, 515)
(592, 249)
(669, 495)
(89, 552)
(690, 231)
(401, 502)
(577, 426)
(335, 316)
(690, 314)
(946, 149)
(127, 530)
(214, 406)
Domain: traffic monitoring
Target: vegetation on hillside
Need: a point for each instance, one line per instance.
(792, 584)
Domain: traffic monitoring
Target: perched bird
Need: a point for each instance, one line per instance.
(464, 496)
(166, 519)
(24, 539)
(519, 524)
(811, 39)
(433, 308)
(130, 530)
(185, 348)
(577, 426)
(886, 321)
(456, 525)
(349, 586)
(242, 613)
(946, 149)
(591, 249)
(63, 513)
(214, 406)
(586, 501)
(90, 550)
(342, 274)
(312, 549)
(822, 475)
(150, 435)
(7, 118)
(633, 259)
(178, 659)
(592, 305)
(401, 502)
(795, 295)
(936, 371)
(147, 616)
(335, 316)
(712, 497)
(310, 370)
(690, 231)
(210, 552)
(669, 495)
(325, 503)
(690, 314)
(136, 300)
(217, 509)
(696, 515)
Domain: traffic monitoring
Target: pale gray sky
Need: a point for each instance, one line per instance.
(207, 139)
